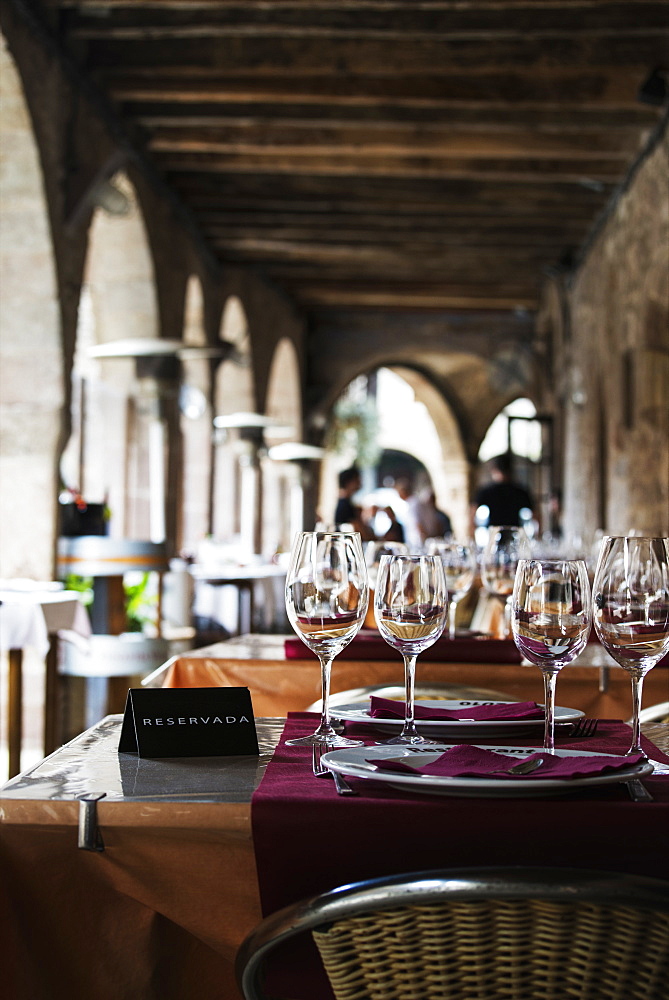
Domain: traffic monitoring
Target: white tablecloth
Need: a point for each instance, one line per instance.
(29, 616)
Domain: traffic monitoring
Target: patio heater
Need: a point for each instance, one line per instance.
(251, 448)
(159, 372)
(303, 499)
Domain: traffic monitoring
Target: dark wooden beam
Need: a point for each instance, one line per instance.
(472, 117)
(442, 139)
(533, 170)
(405, 19)
(603, 86)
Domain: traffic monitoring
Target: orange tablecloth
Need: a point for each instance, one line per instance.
(160, 913)
(279, 686)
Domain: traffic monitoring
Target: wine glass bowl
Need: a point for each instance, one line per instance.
(459, 562)
(373, 552)
(551, 618)
(506, 545)
(326, 603)
(631, 609)
(410, 606)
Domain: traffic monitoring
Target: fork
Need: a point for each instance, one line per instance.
(525, 767)
(341, 785)
(584, 727)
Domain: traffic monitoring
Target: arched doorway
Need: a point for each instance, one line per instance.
(115, 413)
(284, 482)
(233, 393)
(31, 362)
(404, 413)
(196, 425)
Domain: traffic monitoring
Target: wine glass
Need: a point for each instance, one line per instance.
(506, 544)
(410, 607)
(551, 618)
(631, 609)
(373, 553)
(326, 601)
(459, 562)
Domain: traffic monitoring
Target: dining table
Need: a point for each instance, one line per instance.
(283, 675)
(134, 877)
(33, 615)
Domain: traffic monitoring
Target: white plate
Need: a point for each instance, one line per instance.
(353, 761)
(444, 728)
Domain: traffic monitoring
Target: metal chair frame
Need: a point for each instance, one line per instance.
(445, 886)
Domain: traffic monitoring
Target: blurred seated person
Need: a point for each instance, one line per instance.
(504, 498)
(395, 533)
(432, 522)
(346, 511)
(407, 513)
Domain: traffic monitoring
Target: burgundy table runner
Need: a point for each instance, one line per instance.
(368, 645)
(307, 839)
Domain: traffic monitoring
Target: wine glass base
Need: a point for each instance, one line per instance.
(404, 741)
(331, 742)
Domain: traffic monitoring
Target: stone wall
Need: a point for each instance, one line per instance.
(616, 447)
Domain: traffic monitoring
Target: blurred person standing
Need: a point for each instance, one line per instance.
(432, 522)
(407, 511)
(504, 498)
(348, 512)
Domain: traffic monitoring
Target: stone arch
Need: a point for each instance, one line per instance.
(196, 424)
(283, 482)
(115, 413)
(31, 361)
(438, 445)
(233, 393)
(284, 388)
(444, 456)
(515, 429)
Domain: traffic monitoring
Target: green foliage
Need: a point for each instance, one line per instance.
(354, 429)
(82, 585)
(139, 604)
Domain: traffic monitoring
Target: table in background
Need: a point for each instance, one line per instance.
(279, 685)
(174, 892)
(33, 616)
(244, 579)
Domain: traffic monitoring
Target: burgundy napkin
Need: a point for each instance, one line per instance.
(468, 761)
(385, 708)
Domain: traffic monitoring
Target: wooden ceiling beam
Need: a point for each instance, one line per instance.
(405, 155)
(531, 171)
(265, 55)
(317, 295)
(457, 197)
(463, 233)
(406, 19)
(492, 116)
(258, 138)
(605, 86)
(410, 254)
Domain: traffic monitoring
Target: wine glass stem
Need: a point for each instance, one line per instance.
(637, 689)
(508, 610)
(409, 685)
(326, 671)
(452, 608)
(549, 701)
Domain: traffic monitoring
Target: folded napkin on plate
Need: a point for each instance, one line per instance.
(474, 762)
(385, 708)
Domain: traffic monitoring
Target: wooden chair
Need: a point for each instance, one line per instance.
(481, 934)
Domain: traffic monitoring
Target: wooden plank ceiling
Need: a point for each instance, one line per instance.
(376, 153)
